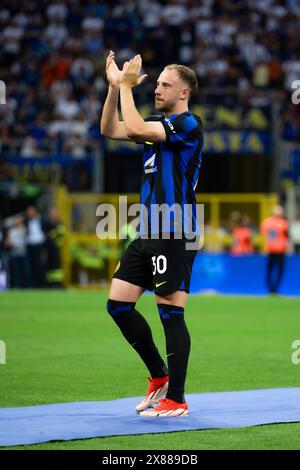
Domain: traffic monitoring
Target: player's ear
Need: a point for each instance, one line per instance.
(185, 93)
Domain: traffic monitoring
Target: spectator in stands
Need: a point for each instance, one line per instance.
(290, 129)
(30, 148)
(52, 53)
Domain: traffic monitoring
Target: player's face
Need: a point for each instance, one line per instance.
(169, 90)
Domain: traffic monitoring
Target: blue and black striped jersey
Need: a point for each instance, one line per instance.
(170, 174)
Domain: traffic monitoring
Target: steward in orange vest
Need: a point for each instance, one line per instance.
(275, 232)
(242, 239)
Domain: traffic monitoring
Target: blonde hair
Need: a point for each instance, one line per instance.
(186, 74)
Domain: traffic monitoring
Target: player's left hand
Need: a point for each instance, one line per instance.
(131, 72)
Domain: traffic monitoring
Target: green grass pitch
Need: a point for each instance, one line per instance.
(63, 347)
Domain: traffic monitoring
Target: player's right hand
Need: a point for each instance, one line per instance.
(113, 73)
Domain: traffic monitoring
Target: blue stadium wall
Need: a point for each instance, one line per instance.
(226, 274)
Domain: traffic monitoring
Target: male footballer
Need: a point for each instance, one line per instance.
(158, 259)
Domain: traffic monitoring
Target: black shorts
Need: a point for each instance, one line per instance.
(162, 266)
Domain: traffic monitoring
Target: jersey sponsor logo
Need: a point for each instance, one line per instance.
(149, 164)
(150, 161)
(170, 125)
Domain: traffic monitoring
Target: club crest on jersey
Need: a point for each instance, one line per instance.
(149, 164)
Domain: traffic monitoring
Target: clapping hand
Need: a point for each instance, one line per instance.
(113, 73)
(131, 72)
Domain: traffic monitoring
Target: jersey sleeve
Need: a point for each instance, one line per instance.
(154, 117)
(182, 129)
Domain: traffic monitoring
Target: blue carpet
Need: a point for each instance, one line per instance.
(67, 421)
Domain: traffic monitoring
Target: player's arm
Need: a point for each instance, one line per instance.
(136, 128)
(110, 125)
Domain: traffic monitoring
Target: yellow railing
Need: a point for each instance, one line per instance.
(217, 209)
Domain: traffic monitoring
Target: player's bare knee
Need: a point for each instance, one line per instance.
(177, 298)
(165, 298)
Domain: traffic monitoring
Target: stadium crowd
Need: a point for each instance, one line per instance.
(30, 249)
(52, 59)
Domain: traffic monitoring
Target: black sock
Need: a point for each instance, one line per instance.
(138, 334)
(178, 346)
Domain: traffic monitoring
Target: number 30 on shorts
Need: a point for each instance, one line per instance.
(159, 264)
